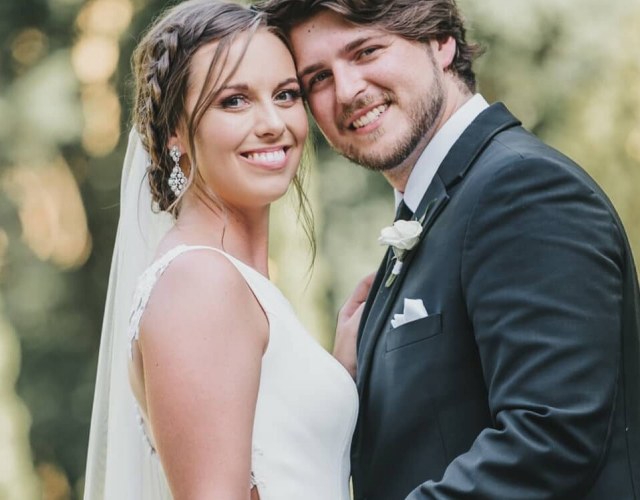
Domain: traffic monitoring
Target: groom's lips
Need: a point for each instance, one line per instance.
(363, 112)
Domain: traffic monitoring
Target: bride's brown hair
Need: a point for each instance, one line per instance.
(161, 66)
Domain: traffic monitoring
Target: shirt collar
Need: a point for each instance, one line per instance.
(437, 149)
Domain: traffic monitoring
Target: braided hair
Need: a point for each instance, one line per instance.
(161, 65)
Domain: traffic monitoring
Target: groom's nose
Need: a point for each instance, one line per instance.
(348, 83)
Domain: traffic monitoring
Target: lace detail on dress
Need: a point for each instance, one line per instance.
(145, 438)
(141, 297)
(256, 453)
(144, 289)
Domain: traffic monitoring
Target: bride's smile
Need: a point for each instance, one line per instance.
(250, 140)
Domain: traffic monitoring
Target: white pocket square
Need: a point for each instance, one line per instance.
(413, 310)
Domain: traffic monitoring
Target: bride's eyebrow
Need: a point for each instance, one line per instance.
(243, 87)
(288, 81)
(238, 86)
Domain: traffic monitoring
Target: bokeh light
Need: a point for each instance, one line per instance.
(54, 222)
(569, 70)
(29, 46)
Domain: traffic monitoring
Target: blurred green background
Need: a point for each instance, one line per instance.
(570, 70)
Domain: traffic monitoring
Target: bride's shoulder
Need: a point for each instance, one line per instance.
(190, 271)
(200, 287)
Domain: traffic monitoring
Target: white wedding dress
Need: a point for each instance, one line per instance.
(306, 409)
(307, 402)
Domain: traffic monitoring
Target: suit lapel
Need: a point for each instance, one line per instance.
(430, 207)
(402, 212)
(455, 166)
(380, 275)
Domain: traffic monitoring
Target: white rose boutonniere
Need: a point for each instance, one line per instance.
(402, 237)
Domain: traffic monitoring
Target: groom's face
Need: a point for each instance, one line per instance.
(374, 95)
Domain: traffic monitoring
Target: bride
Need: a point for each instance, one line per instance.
(208, 386)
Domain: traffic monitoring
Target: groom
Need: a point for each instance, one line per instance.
(501, 359)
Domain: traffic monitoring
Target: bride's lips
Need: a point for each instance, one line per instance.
(271, 158)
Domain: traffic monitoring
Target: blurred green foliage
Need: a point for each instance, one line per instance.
(570, 70)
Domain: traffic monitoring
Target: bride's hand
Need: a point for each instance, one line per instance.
(344, 349)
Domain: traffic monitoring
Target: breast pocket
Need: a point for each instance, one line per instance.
(413, 332)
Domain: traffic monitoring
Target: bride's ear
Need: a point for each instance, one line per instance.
(175, 144)
(176, 140)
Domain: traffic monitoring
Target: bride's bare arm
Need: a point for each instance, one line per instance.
(202, 340)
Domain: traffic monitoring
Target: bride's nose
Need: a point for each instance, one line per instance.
(269, 122)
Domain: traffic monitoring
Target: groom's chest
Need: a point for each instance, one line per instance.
(442, 342)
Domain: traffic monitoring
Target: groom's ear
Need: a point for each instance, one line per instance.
(444, 51)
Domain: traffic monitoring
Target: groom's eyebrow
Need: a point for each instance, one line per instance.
(310, 69)
(350, 47)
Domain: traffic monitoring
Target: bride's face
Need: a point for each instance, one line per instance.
(249, 142)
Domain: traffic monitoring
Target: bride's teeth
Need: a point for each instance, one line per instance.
(270, 157)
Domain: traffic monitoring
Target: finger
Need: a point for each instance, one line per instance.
(362, 290)
(358, 314)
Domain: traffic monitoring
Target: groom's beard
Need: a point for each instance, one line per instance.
(423, 118)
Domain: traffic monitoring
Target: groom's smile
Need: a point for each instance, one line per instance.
(368, 118)
(375, 95)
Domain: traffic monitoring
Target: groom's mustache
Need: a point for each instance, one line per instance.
(345, 117)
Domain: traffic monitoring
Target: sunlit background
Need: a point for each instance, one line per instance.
(569, 69)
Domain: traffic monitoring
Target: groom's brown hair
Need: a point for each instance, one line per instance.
(416, 20)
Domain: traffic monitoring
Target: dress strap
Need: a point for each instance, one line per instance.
(149, 278)
(145, 286)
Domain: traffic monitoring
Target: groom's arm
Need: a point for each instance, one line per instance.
(542, 273)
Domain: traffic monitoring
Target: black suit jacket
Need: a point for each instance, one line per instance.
(523, 383)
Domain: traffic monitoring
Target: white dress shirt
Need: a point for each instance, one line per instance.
(437, 149)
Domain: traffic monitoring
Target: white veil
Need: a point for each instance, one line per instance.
(115, 442)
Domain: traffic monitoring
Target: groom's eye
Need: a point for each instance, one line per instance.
(367, 52)
(319, 78)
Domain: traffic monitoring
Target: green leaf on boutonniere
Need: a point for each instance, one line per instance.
(400, 253)
(395, 271)
(426, 211)
(390, 280)
(401, 237)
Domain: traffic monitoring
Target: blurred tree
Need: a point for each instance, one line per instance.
(563, 67)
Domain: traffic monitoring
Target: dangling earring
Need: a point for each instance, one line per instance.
(177, 181)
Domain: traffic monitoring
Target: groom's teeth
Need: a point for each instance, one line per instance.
(270, 157)
(370, 117)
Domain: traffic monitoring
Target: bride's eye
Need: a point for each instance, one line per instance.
(288, 96)
(235, 102)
